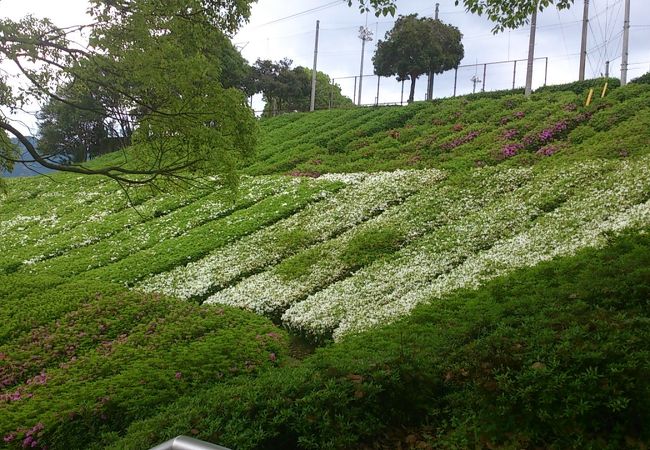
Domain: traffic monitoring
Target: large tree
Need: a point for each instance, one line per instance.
(278, 83)
(328, 93)
(155, 59)
(287, 89)
(416, 46)
(76, 133)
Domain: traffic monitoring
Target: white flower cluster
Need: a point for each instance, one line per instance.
(271, 293)
(366, 197)
(496, 241)
(503, 220)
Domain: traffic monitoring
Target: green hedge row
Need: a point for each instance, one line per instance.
(117, 358)
(555, 356)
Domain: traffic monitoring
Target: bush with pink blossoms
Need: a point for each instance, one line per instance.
(469, 137)
(511, 150)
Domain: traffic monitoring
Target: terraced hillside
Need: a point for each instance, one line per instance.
(125, 326)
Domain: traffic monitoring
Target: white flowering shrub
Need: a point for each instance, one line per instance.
(364, 197)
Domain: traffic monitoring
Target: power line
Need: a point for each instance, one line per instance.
(301, 13)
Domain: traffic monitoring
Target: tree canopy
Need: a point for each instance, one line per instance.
(381, 7)
(416, 46)
(508, 14)
(287, 89)
(157, 61)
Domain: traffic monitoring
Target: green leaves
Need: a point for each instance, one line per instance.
(508, 14)
(152, 67)
(416, 46)
(381, 7)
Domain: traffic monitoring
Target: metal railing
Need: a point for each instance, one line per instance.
(187, 443)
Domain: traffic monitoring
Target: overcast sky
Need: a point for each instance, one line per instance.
(272, 34)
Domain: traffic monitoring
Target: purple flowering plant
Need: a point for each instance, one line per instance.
(469, 137)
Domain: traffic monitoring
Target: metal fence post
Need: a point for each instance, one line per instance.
(455, 79)
(546, 71)
(484, 74)
(377, 98)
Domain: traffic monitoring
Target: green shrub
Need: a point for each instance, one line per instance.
(370, 245)
(118, 359)
(494, 94)
(581, 87)
(554, 356)
(643, 79)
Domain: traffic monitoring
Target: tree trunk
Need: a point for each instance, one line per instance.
(412, 94)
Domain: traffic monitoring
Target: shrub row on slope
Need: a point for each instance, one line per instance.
(451, 133)
(494, 221)
(364, 197)
(117, 357)
(554, 356)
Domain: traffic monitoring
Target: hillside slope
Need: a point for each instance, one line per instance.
(385, 211)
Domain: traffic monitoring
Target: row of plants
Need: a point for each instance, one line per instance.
(423, 277)
(172, 242)
(554, 356)
(48, 289)
(295, 278)
(52, 215)
(116, 358)
(364, 198)
(162, 217)
(457, 133)
(537, 222)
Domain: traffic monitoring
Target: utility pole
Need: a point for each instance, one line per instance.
(626, 43)
(431, 75)
(313, 74)
(583, 45)
(366, 36)
(475, 80)
(531, 52)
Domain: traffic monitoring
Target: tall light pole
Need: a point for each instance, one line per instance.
(431, 75)
(626, 43)
(531, 52)
(583, 44)
(312, 103)
(366, 36)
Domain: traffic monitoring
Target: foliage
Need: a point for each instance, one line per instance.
(504, 15)
(76, 378)
(328, 93)
(8, 154)
(388, 138)
(418, 46)
(381, 7)
(371, 245)
(158, 64)
(552, 356)
(425, 278)
(643, 79)
(289, 90)
(78, 133)
(582, 87)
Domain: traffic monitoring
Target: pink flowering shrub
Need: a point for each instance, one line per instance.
(469, 137)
